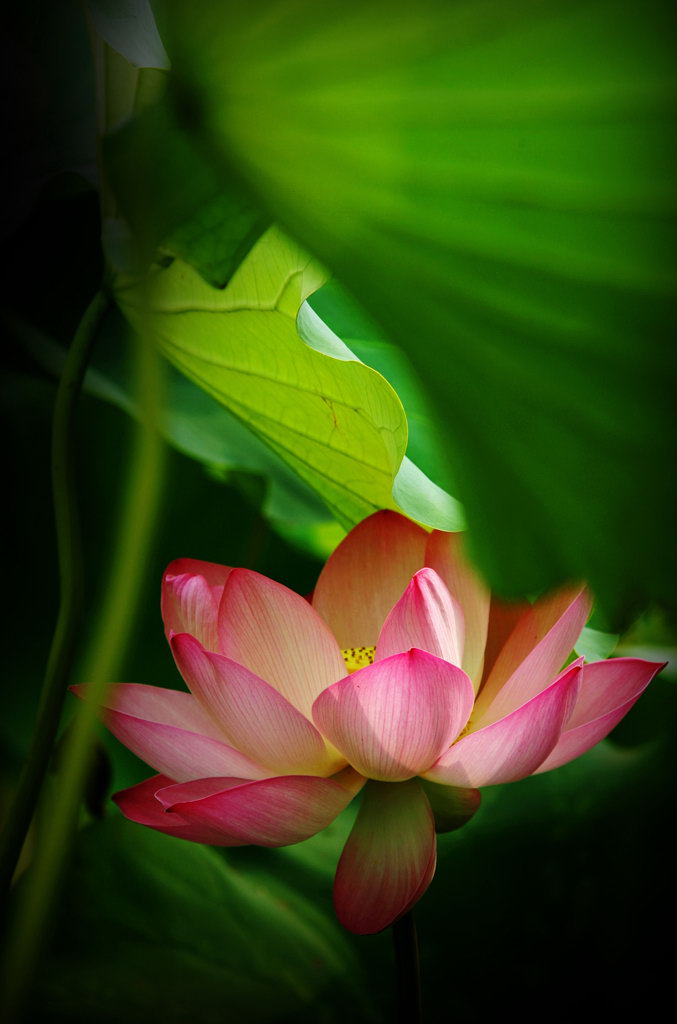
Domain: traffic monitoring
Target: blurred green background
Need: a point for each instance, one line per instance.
(552, 903)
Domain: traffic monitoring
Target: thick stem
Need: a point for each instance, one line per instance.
(136, 529)
(407, 971)
(69, 549)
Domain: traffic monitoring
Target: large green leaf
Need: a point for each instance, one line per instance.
(336, 422)
(157, 929)
(494, 184)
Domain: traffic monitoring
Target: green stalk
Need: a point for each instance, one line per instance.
(69, 620)
(407, 971)
(130, 551)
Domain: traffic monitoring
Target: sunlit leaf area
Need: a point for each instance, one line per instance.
(371, 303)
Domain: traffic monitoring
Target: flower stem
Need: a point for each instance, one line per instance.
(67, 629)
(407, 971)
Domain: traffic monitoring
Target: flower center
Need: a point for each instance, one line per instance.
(358, 657)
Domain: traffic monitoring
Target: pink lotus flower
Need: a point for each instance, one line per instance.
(401, 677)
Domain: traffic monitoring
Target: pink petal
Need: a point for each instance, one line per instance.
(608, 691)
(533, 655)
(445, 554)
(140, 804)
(366, 575)
(255, 718)
(513, 747)
(389, 859)
(272, 812)
(157, 704)
(427, 617)
(394, 718)
(196, 789)
(607, 685)
(191, 592)
(348, 779)
(171, 732)
(277, 635)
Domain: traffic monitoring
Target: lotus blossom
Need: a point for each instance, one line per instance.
(399, 677)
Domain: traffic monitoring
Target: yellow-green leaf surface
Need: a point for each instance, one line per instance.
(335, 421)
(495, 183)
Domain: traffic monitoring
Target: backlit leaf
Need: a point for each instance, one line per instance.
(337, 423)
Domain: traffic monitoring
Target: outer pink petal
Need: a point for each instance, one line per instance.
(513, 747)
(196, 789)
(255, 718)
(607, 685)
(445, 554)
(191, 593)
(366, 575)
(393, 719)
(274, 632)
(140, 804)
(427, 617)
(534, 653)
(608, 691)
(389, 859)
(273, 812)
(157, 704)
(171, 732)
